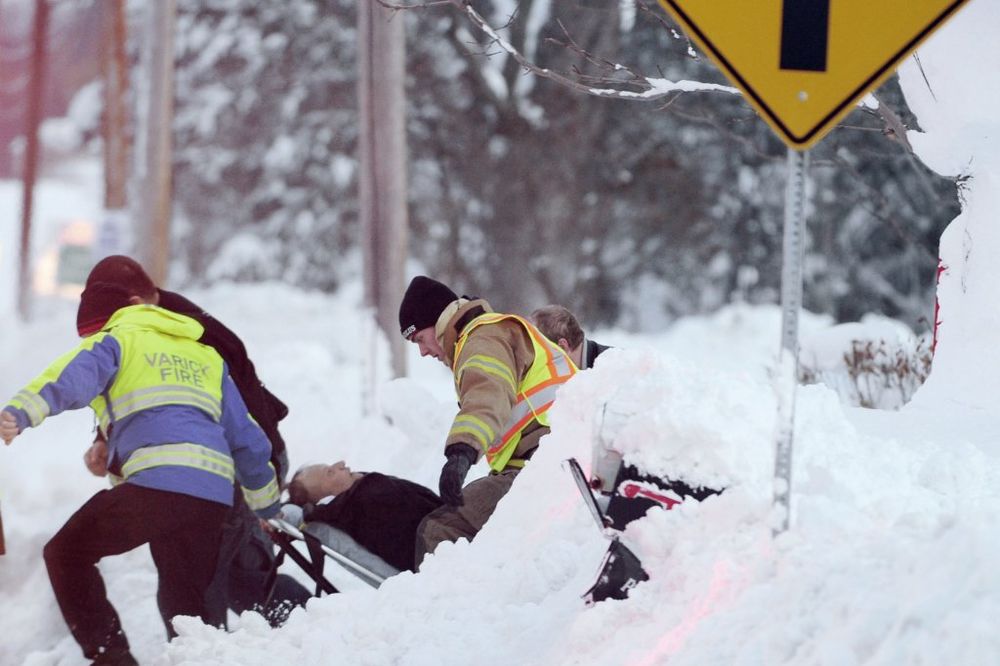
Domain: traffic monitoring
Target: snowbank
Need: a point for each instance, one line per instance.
(895, 514)
(954, 89)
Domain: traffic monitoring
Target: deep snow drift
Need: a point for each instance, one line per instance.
(890, 559)
(869, 568)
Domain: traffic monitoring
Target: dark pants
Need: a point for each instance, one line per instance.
(242, 579)
(183, 534)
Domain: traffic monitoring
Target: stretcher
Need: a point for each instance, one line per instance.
(322, 542)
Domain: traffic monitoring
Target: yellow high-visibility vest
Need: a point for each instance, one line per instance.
(176, 373)
(551, 368)
(158, 370)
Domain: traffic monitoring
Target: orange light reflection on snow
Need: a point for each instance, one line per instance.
(672, 641)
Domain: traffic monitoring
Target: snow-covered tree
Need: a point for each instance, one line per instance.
(523, 187)
(265, 132)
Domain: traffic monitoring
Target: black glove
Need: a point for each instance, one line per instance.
(460, 458)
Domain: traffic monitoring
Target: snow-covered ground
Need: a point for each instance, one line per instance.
(891, 555)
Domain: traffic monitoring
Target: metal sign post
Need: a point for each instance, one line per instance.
(786, 379)
(821, 63)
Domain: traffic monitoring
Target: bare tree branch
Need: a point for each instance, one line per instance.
(648, 88)
(602, 63)
(516, 29)
(920, 65)
(471, 55)
(881, 203)
(894, 127)
(420, 5)
(661, 18)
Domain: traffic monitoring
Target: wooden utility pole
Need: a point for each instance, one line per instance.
(157, 158)
(382, 180)
(36, 88)
(116, 144)
(3, 543)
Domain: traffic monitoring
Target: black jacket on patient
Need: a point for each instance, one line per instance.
(381, 513)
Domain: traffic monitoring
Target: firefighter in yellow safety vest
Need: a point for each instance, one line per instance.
(506, 378)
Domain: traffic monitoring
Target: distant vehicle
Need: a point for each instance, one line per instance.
(62, 267)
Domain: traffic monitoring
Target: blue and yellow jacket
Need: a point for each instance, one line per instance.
(172, 415)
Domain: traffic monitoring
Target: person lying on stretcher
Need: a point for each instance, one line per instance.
(379, 511)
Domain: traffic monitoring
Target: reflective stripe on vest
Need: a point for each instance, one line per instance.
(261, 498)
(179, 455)
(157, 370)
(158, 396)
(550, 369)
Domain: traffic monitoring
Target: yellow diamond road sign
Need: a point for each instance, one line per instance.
(803, 64)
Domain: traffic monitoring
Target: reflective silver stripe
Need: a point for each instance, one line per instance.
(526, 405)
(492, 366)
(561, 361)
(34, 406)
(183, 455)
(559, 358)
(466, 423)
(168, 399)
(262, 498)
(172, 394)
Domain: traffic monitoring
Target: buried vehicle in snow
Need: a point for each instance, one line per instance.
(617, 494)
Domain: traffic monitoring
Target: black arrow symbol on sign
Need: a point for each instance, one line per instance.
(805, 27)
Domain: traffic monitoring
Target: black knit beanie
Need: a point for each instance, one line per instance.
(424, 301)
(98, 302)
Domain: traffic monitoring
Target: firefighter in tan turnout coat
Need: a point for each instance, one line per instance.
(506, 376)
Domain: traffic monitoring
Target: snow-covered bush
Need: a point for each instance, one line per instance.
(878, 364)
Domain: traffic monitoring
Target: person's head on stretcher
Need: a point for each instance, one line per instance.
(314, 482)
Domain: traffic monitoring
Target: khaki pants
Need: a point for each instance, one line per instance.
(451, 523)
